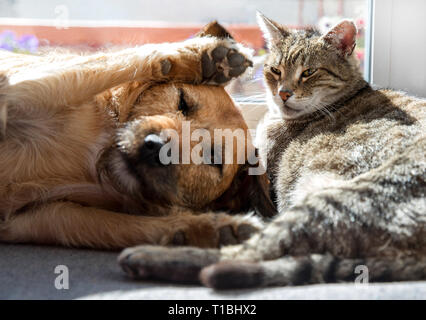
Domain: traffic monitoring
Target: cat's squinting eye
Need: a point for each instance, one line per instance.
(308, 73)
(276, 71)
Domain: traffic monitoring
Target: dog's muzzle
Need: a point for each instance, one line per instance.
(149, 152)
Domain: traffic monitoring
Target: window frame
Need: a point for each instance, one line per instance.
(397, 48)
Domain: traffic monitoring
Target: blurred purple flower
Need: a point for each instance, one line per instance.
(6, 46)
(7, 34)
(25, 44)
(28, 43)
(8, 40)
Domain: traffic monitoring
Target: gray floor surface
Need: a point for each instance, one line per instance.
(28, 272)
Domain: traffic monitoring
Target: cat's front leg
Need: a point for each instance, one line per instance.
(206, 60)
(326, 222)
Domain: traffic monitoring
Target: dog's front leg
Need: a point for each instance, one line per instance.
(45, 83)
(70, 224)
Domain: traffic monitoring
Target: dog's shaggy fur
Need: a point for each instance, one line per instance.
(72, 129)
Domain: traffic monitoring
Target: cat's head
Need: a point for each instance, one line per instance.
(307, 72)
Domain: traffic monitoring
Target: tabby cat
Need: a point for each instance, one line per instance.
(348, 169)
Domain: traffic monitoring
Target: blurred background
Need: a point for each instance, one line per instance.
(86, 25)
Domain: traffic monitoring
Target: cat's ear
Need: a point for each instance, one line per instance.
(214, 29)
(272, 31)
(342, 36)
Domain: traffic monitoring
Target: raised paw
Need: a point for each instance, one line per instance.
(178, 264)
(208, 60)
(222, 63)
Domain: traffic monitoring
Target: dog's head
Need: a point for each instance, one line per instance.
(188, 145)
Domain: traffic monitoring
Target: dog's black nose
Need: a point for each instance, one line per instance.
(149, 152)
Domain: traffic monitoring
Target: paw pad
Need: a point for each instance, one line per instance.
(223, 64)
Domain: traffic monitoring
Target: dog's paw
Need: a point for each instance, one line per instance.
(207, 60)
(214, 231)
(223, 61)
(178, 264)
(234, 230)
(235, 234)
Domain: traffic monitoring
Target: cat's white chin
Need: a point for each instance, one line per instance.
(291, 113)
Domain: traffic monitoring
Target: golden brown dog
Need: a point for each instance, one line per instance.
(80, 137)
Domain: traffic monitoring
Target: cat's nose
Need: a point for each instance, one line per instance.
(285, 94)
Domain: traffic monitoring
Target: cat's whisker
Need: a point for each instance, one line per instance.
(322, 108)
(331, 115)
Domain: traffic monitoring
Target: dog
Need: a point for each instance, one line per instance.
(80, 141)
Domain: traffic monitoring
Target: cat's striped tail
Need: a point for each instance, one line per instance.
(311, 269)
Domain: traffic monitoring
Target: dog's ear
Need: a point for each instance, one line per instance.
(214, 29)
(248, 192)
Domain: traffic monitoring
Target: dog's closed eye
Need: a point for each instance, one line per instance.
(183, 106)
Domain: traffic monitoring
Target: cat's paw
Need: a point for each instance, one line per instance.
(223, 61)
(177, 264)
(232, 275)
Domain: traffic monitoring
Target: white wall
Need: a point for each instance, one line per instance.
(201, 11)
(399, 45)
